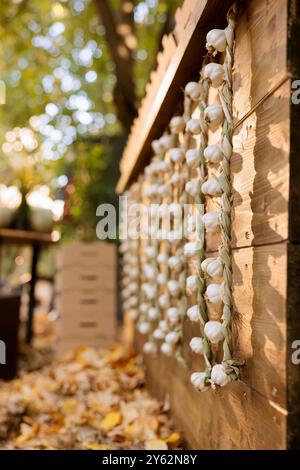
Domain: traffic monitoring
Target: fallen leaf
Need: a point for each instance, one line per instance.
(110, 421)
(94, 446)
(173, 439)
(155, 444)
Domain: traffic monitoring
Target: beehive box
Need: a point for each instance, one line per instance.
(85, 286)
(261, 409)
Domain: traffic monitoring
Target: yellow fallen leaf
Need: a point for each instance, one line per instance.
(94, 446)
(173, 439)
(110, 421)
(69, 405)
(134, 430)
(155, 444)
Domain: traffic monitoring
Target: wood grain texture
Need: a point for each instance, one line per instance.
(260, 59)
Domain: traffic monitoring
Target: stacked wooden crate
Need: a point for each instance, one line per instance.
(85, 294)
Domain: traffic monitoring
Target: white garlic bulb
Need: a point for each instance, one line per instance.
(211, 187)
(163, 325)
(213, 331)
(192, 283)
(143, 328)
(213, 153)
(214, 73)
(214, 115)
(214, 293)
(150, 251)
(192, 157)
(150, 272)
(198, 380)
(133, 313)
(164, 166)
(157, 147)
(162, 258)
(149, 348)
(177, 124)
(133, 301)
(192, 248)
(164, 301)
(172, 337)
(176, 155)
(192, 89)
(174, 288)
(126, 305)
(153, 313)
(215, 268)
(205, 263)
(166, 349)
(134, 273)
(219, 376)
(193, 187)
(167, 141)
(150, 292)
(158, 334)
(125, 294)
(164, 190)
(144, 307)
(196, 345)
(176, 178)
(216, 39)
(175, 263)
(161, 279)
(173, 315)
(193, 126)
(193, 313)
(211, 221)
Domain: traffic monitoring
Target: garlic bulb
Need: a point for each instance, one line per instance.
(196, 345)
(133, 301)
(163, 325)
(167, 141)
(192, 157)
(193, 187)
(149, 348)
(133, 313)
(194, 314)
(193, 91)
(211, 187)
(150, 292)
(193, 126)
(164, 190)
(177, 124)
(176, 155)
(175, 263)
(173, 315)
(174, 288)
(198, 380)
(158, 334)
(157, 147)
(164, 166)
(143, 328)
(134, 273)
(172, 337)
(150, 251)
(214, 115)
(214, 73)
(166, 349)
(215, 268)
(162, 258)
(125, 294)
(211, 221)
(176, 178)
(161, 279)
(216, 39)
(192, 248)
(175, 209)
(192, 283)
(126, 305)
(150, 272)
(219, 376)
(144, 307)
(205, 263)
(214, 293)
(213, 331)
(164, 301)
(153, 313)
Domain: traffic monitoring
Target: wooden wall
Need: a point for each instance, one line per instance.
(261, 411)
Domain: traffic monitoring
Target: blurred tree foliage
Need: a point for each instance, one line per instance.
(74, 72)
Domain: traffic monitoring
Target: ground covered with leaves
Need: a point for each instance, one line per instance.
(88, 399)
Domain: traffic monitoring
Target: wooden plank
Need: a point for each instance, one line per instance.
(260, 60)
(259, 175)
(235, 417)
(23, 237)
